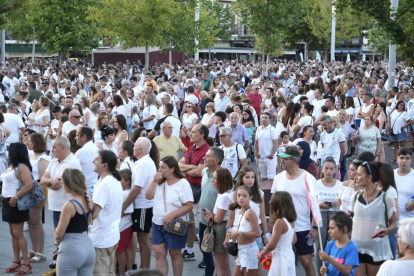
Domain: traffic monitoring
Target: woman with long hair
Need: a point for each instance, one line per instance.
(102, 120)
(93, 93)
(107, 141)
(368, 137)
(348, 188)
(119, 108)
(281, 104)
(381, 122)
(39, 161)
(173, 192)
(305, 120)
(120, 127)
(215, 85)
(11, 192)
(42, 116)
(208, 120)
(307, 136)
(76, 255)
(4, 134)
(371, 208)
(399, 120)
(286, 115)
(126, 155)
(189, 121)
(128, 107)
(294, 119)
(139, 132)
(149, 114)
(92, 115)
(350, 110)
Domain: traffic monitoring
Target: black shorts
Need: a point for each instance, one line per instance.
(142, 220)
(367, 259)
(301, 245)
(12, 214)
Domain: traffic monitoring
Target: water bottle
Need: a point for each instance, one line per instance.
(378, 229)
(268, 236)
(228, 231)
(310, 241)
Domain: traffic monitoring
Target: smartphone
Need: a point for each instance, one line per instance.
(377, 234)
(329, 203)
(204, 209)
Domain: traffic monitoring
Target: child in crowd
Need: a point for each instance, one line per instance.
(134, 117)
(341, 254)
(246, 232)
(284, 135)
(283, 236)
(123, 252)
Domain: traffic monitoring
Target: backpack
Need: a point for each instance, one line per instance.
(384, 194)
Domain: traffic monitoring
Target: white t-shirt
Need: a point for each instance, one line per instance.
(230, 161)
(104, 231)
(176, 124)
(57, 198)
(127, 164)
(351, 111)
(86, 155)
(134, 119)
(317, 111)
(328, 194)
(330, 142)
(357, 103)
(191, 98)
(297, 189)
(13, 122)
(311, 95)
(68, 127)
(396, 268)
(126, 221)
(175, 196)
(222, 202)
(188, 120)
(305, 121)
(148, 112)
(265, 137)
(143, 172)
(405, 187)
(119, 110)
(398, 120)
(332, 113)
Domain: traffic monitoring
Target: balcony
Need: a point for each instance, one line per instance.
(241, 31)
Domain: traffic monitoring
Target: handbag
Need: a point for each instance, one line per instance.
(196, 193)
(33, 198)
(207, 244)
(233, 245)
(178, 226)
(384, 135)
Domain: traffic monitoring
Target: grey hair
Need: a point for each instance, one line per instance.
(406, 231)
(235, 113)
(165, 123)
(162, 88)
(62, 141)
(94, 106)
(326, 118)
(145, 144)
(124, 82)
(204, 93)
(12, 106)
(227, 130)
(218, 153)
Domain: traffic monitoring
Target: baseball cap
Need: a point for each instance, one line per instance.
(290, 152)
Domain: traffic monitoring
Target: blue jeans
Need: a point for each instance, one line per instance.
(56, 217)
(343, 168)
(129, 125)
(393, 242)
(208, 257)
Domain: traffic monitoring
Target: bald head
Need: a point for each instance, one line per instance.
(74, 117)
(143, 147)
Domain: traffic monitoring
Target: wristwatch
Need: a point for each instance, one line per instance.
(315, 227)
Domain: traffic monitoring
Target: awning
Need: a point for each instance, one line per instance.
(348, 51)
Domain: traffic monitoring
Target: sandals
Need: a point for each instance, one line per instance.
(13, 269)
(22, 272)
(37, 259)
(30, 255)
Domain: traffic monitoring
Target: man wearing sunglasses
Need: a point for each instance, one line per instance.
(221, 102)
(73, 123)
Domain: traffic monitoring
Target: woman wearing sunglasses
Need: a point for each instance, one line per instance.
(371, 208)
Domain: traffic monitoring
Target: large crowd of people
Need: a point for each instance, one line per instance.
(161, 158)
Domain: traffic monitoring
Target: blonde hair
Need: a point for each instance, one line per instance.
(74, 180)
(335, 120)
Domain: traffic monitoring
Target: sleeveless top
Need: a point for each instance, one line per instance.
(244, 225)
(117, 139)
(35, 165)
(377, 124)
(211, 130)
(77, 223)
(92, 119)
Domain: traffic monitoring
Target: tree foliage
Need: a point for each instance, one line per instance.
(378, 40)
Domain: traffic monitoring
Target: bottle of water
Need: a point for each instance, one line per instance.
(268, 236)
(378, 229)
(228, 231)
(310, 241)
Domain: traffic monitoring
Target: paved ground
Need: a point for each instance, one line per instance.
(6, 252)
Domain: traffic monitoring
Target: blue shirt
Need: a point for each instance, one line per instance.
(350, 92)
(347, 255)
(240, 135)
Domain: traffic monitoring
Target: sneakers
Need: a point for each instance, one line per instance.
(188, 257)
(202, 264)
(25, 227)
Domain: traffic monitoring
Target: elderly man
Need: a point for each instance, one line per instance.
(221, 102)
(234, 154)
(86, 155)
(240, 135)
(143, 173)
(73, 123)
(52, 177)
(212, 160)
(332, 140)
(167, 143)
(165, 99)
(169, 117)
(348, 132)
(265, 147)
(14, 123)
(192, 164)
(74, 94)
(204, 100)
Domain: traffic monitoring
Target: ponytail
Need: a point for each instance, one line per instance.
(116, 174)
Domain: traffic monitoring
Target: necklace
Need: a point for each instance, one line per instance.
(368, 198)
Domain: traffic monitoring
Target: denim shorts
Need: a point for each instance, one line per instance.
(172, 241)
(399, 137)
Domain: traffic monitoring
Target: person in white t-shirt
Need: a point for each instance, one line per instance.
(107, 210)
(86, 154)
(265, 147)
(332, 141)
(404, 179)
(296, 182)
(234, 154)
(14, 123)
(52, 178)
(143, 172)
(72, 123)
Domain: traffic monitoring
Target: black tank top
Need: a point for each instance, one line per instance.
(78, 223)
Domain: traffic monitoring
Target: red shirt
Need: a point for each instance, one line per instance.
(196, 156)
(256, 100)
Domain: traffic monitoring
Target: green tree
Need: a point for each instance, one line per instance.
(319, 19)
(134, 23)
(59, 25)
(378, 41)
(264, 18)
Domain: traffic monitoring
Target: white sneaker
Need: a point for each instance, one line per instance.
(25, 227)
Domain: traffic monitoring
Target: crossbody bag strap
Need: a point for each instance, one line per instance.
(165, 203)
(84, 213)
(396, 119)
(386, 209)
(238, 162)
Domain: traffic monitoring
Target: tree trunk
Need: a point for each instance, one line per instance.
(60, 58)
(209, 54)
(33, 51)
(263, 57)
(325, 55)
(146, 57)
(170, 54)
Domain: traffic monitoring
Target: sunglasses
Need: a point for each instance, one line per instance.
(367, 164)
(221, 92)
(76, 117)
(245, 114)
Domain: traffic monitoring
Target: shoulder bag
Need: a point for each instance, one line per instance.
(390, 130)
(177, 226)
(233, 244)
(207, 244)
(33, 198)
